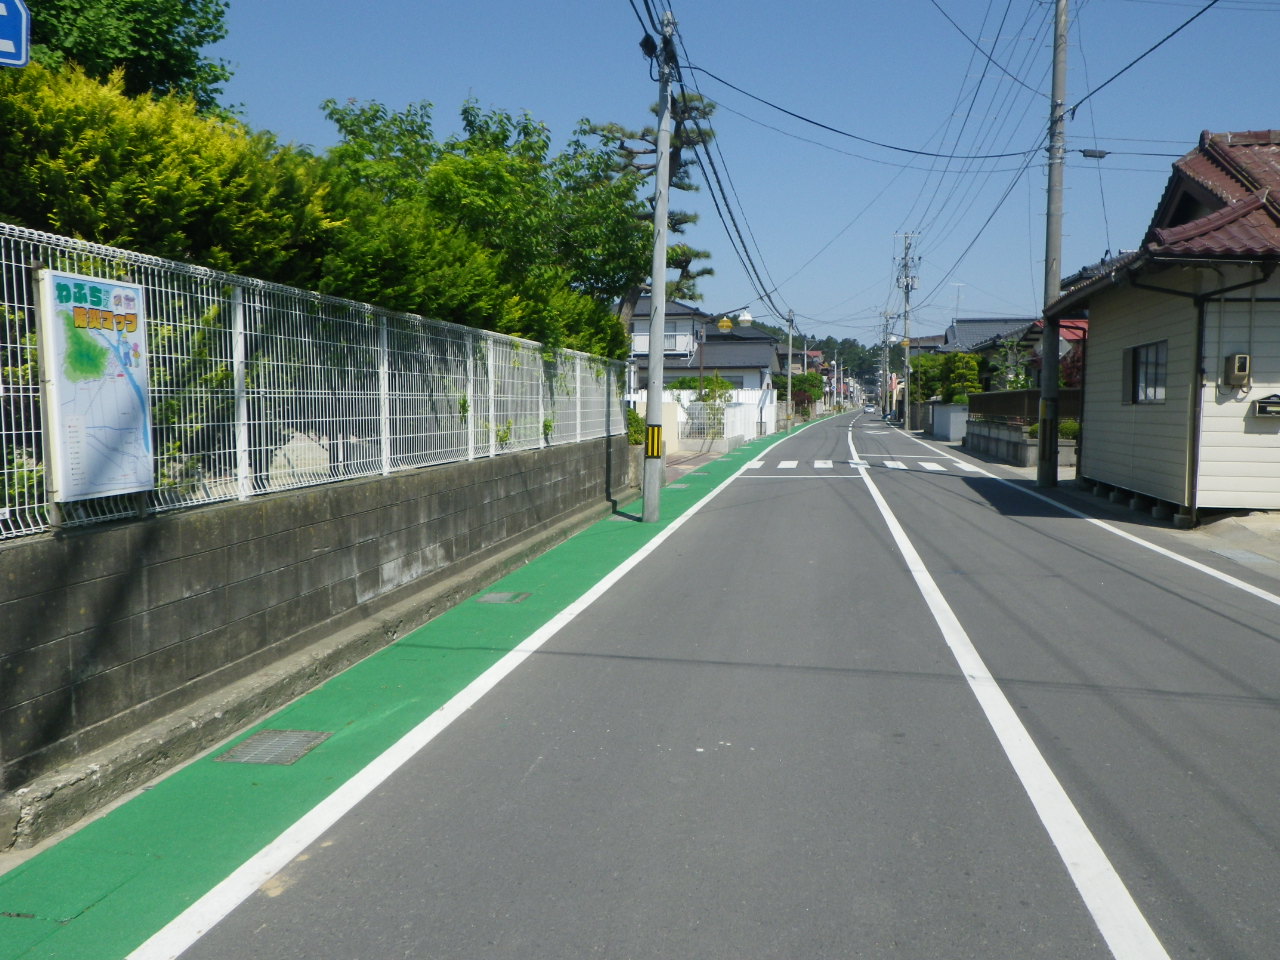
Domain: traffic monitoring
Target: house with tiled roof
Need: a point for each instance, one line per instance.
(966, 333)
(1181, 402)
(694, 343)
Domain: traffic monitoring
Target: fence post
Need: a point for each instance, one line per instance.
(384, 393)
(493, 402)
(577, 397)
(544, 388)
(239, 362)
(473, 414)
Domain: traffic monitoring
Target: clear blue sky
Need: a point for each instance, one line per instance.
(825, 213)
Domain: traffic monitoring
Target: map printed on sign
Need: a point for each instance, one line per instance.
(93, 359)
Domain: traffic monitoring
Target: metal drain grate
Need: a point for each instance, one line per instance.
(503, 597)
(280, 747)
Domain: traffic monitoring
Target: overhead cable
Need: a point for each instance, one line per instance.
(1186, 23)
(990, 59)
(845, 133)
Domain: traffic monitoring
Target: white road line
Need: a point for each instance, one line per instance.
(894, 465)
(755, 464)
(175, 937)
(822, 464)
(788, 464)
(858, 463)
(1118, 918)
(1218, 575)
(930, 465)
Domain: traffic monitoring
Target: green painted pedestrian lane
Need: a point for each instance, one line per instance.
(106, 888)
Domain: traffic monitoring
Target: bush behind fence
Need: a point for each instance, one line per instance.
(256, 387)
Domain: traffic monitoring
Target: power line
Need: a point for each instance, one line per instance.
(1186, 23)
(990, 59)
(845, 133)
(643, 26)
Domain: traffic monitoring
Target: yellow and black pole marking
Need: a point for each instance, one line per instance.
(653, 441)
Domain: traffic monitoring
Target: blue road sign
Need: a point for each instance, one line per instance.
(15, 33)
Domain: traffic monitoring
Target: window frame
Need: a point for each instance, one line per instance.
(1145, 373)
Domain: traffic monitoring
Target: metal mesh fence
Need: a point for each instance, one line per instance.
(255, 387)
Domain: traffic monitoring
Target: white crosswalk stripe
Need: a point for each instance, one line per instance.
(875, 460)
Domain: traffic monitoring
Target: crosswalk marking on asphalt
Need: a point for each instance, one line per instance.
(872, 460)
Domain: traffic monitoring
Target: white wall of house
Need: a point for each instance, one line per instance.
(1239, 459)
(1143, 447)
(678, 340)
(748, 413)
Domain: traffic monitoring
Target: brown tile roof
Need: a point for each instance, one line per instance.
(1223, 200)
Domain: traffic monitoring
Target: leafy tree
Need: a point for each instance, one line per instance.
(156, 43)
(1009, 366)
(153, 175)
(805, 386)
(712, 389)
(527, 243)
(636, 153)
(926, 375)
(959, 377)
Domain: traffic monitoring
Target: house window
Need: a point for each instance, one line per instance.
(669, 344)
(1146, 369)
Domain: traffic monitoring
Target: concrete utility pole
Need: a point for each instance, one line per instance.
(884, 368)
(907, 281)
(654, 467)
(791, 322)
(1047, 447)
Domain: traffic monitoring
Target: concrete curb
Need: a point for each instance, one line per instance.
(59, 799)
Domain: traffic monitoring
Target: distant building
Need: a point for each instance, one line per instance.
(694, 344)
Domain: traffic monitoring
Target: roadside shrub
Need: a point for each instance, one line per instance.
(635, 427)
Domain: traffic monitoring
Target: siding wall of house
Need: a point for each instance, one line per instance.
(1239, 461)
(1141, 447)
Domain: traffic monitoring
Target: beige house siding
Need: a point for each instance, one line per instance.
(1139, 447)
(1239, 461)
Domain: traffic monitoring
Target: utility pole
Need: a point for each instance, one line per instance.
(791, 322)
(654, 467)
(884, 368)
(1047, 448)
(907, 281)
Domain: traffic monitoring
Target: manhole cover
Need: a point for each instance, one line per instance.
(281, 747)
(502, 598)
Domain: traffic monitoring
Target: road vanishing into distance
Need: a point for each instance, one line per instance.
(862, 699)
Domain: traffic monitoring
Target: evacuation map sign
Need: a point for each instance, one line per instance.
(93, 359)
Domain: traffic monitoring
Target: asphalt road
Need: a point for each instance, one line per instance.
(865, 703)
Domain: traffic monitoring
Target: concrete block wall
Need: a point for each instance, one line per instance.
(106, 629)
